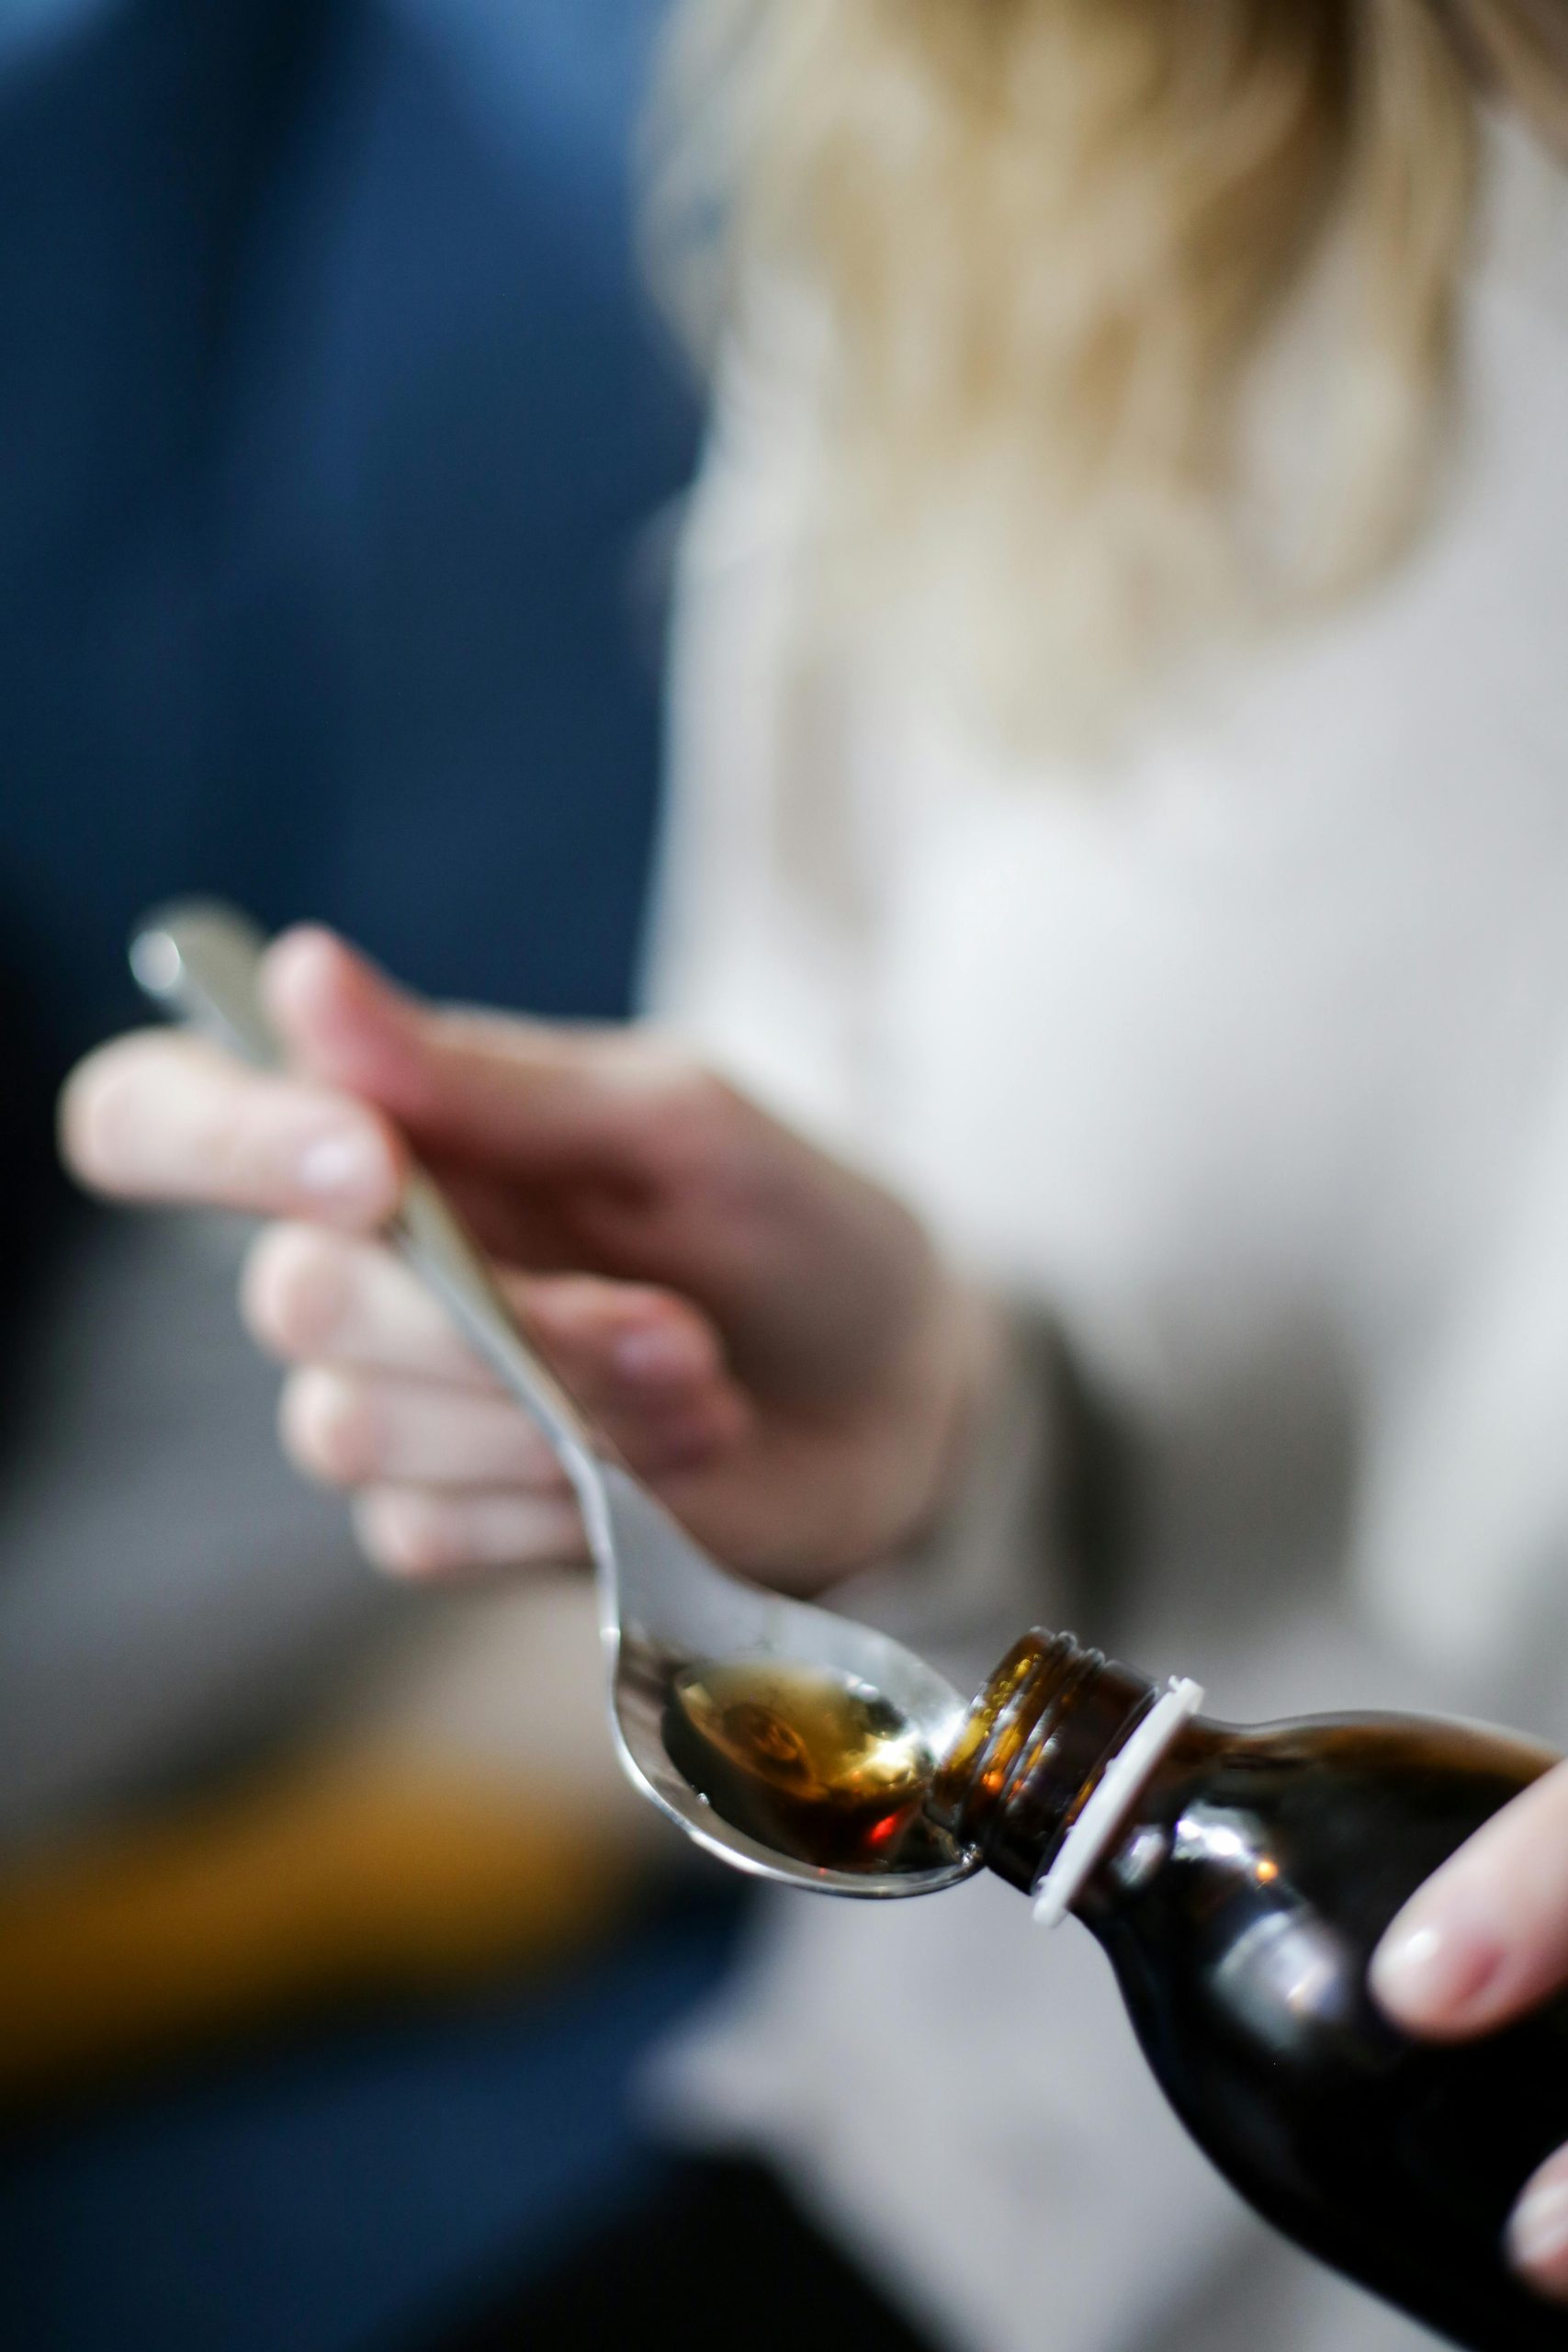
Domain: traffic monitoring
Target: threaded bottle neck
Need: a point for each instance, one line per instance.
(1033, 1750)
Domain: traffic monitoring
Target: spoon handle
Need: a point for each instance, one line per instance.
(198, 961)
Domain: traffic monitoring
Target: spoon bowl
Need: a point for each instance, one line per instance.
(666, 1608)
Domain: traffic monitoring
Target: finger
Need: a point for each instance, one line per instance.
(352, 1429)
(629, 1353)
(647, 1367)
(421, 1532)
(348, 1428)
(1487, 1937)
(542, 1098)
(1538, 2233)
(309, 1296)
(171, 1118)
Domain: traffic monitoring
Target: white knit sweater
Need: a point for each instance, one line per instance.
(1248, 1065)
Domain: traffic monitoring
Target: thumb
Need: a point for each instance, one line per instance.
(529, 1098)
(1486, 1938)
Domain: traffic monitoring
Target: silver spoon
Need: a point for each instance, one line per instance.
(665, 1607)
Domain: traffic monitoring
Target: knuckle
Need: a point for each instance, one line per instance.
(573, 1311)
(410, 1534)
(328, 1427)
(538, 1472)
(555, 1538)
(221, 1150)
(98, 1115)
(700, 1100)
(294, 1290)
(506, 1451)
(693, 1124)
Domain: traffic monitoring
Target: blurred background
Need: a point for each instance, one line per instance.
(341, 456)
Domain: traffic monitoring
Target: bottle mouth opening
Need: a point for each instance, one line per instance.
(968, 1776)
(1045, 1738)
(1007, 1729)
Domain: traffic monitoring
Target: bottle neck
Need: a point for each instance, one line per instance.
(1036, 1745)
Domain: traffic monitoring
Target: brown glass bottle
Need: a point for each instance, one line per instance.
(1240, 1898)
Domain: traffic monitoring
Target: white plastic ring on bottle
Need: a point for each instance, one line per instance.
(1087, 1841)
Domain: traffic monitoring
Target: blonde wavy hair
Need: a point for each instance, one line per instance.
(1061, 245)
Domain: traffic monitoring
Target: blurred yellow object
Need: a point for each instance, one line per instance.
(346, 1873)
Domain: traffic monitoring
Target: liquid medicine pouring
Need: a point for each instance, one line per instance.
(790, 1742)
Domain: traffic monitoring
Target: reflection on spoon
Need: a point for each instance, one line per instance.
(809, 1760)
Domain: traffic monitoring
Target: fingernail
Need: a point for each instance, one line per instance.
(342, 1164)
(1431, 1973)
(1537, 2234)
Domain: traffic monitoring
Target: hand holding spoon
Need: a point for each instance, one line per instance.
(789, 1741)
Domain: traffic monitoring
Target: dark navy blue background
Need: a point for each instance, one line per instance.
(331, 412)
(332, 422)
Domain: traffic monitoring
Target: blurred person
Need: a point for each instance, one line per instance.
(1114, 866)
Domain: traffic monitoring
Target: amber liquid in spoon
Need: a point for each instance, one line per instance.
(812, 1763)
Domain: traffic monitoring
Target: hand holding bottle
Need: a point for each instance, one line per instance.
(1484, 1942)
(771, 1339)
